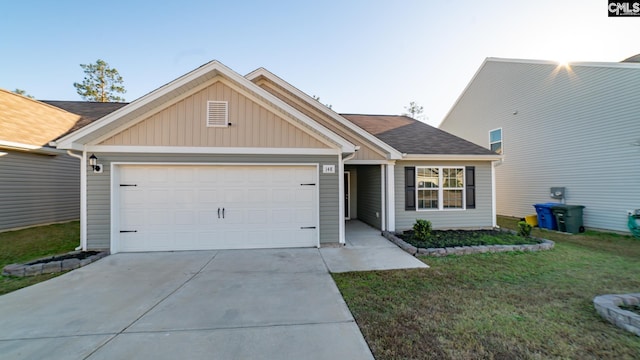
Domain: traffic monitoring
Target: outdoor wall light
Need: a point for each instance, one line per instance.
(93, 162)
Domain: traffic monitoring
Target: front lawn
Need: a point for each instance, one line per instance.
(29, 244)
(522, 305)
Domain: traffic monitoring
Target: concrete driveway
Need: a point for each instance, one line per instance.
(239, 304)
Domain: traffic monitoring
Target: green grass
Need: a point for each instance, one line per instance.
(501, 306)
(29, 244)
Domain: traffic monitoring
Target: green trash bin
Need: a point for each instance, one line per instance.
(568, 218)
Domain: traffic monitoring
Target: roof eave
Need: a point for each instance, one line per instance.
(36, 149)
(453, 157)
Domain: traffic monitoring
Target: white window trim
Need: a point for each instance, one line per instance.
(211, 120)
(441, 188)
(495, 142)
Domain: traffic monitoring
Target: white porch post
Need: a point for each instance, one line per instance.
(383, 198)
(341, 204)
(391, 198)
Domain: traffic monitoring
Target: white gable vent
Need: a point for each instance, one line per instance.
(217, 113)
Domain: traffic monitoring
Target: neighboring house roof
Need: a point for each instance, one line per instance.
(89, 111)
(632, 59)
(28, 124)
(159, 98)
(414, 137)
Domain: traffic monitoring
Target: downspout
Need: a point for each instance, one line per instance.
(82, 200)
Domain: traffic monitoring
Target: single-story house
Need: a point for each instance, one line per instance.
(217, 160)
(39, 184)
(574, 127)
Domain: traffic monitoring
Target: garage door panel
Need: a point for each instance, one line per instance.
(157, 174)
(281, 195)
(185, 217)
(304, 194)
(184, 196)
(208, 196)
(217, 207)
(304, 216)
(208, 174)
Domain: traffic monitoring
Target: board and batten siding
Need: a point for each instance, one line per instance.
(184, 124)
(574, 127)
(369, 195)
(99, 188)
(367, 151)
(478, 218)
(38, 189)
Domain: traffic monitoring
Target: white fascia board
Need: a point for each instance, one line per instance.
(437, 157)
(36, 149)
(369, 162)
(209, 150)
(393, 153)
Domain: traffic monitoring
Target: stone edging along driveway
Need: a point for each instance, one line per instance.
(464, 250)
(54, 264)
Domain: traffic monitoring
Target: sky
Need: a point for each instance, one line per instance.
(359, 56)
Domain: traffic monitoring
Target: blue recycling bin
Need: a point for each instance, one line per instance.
(546, 219)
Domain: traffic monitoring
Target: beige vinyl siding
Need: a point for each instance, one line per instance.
(369, 195)
(99, 189)
(184, 124)
(367, 151)
(38, 189)
(480, 217)
(576, 128)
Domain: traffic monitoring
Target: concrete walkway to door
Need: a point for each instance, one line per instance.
(366, 249)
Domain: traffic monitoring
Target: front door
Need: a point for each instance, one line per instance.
(347, 203)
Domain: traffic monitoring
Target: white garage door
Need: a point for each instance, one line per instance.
(215, 207)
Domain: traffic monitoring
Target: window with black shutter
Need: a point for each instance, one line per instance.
(409, 188)
(470, 179)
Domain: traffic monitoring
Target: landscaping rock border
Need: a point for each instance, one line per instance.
(50, 265)
(465, 250)
(608, 306)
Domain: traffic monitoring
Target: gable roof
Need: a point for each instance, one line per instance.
(28, 124)
(264, 73)
(413, 137)
(150, 103)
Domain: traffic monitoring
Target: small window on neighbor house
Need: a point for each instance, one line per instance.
(495, 140)
(217, 113)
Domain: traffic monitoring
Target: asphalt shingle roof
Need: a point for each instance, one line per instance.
(31, 122)
(411, 136)
(89, 111)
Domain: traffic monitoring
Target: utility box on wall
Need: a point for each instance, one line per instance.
(557, 193)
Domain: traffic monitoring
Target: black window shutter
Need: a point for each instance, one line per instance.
(410, 188)
(470, 177)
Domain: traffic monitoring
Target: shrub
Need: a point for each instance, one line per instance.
(524, 229)
(422, 230)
